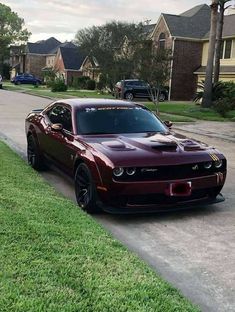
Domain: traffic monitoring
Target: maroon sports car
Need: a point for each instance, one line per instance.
(122, 157)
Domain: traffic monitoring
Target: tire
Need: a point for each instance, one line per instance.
(35, 160)
(129, 96)
(17, 83)
(36, 83)
(85, 189)
(162, 97)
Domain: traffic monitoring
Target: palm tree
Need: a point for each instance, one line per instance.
(207, 97)
(218, 45)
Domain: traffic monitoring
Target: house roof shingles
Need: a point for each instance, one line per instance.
(43, 46)
(193, 23)
(49, 46)
(72, 58)
(228, 28)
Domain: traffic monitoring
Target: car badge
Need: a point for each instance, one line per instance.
(195, 167)
(149, 170)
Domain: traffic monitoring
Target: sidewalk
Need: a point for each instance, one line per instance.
(214, 129)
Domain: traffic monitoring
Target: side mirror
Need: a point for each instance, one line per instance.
(168, 123)
(57, 127)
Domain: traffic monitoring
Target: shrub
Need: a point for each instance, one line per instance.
(90, 84)
(101, 84)
(80, 82)
(223, 96)
(58, 85)
(222, 106)
(49, 77)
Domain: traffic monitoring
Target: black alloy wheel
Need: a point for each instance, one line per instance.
(85, 189)
(34, 158)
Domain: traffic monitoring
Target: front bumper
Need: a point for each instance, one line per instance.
(149, 196)
(164, 208)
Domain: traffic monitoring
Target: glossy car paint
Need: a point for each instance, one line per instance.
(103, 153)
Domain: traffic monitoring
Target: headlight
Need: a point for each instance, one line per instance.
(208, 165)
(218, 163)
(130, 171)
(118, 171)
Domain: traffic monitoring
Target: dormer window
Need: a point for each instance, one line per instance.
(162, 41)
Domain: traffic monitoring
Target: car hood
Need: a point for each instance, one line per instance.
(149, 149)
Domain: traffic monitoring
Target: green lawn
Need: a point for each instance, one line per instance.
(43, 91)
(191, 110)
(54, 257)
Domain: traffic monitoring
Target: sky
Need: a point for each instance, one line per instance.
(63, 18)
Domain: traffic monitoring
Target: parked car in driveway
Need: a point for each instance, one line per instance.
(135, 88)
(123, 159)
(26, 79)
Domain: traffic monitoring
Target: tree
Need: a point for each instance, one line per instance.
(12, 31)
(103, 42)
(152, 64)
(219, 41)
(206, 101)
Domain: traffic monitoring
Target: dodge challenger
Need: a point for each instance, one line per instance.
(123, 158)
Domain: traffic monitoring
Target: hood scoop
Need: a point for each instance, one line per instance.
(190, 145)
(168, 147)
(117, 145)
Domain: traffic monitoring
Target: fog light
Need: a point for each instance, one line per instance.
(118, 171)
(218, 163)
(130, 171)
(208, 165)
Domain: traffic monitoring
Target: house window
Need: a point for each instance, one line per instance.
(162, 41)
(226, 49)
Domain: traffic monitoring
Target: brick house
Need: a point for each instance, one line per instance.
(90, 68)
(183, 34)
(34, 57)
(68, 63)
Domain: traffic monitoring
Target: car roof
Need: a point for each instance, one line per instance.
(90, 102)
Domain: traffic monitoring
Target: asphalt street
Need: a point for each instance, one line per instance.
(194, 249)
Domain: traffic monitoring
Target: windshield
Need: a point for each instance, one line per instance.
(110, 120)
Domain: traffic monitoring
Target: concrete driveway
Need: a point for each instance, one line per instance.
(194, 249)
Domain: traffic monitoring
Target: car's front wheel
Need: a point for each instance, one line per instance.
(129, 96)
(35, 160)
(85, 189)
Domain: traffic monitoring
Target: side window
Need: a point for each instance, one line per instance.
(61, 114)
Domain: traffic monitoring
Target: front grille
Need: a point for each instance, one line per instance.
(161, 173)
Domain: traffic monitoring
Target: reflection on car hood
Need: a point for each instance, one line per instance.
(150, 149)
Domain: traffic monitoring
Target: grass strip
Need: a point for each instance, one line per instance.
(54, 257)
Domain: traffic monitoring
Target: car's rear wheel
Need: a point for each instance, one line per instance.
(129, 96)
(85, 189)
(35, 160)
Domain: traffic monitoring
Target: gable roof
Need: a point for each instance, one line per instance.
(65, 45)
(72, 58)
(194, 23)
(228, 28)
(148, 29)
(43, 46)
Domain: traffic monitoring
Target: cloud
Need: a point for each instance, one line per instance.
(62, 18)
